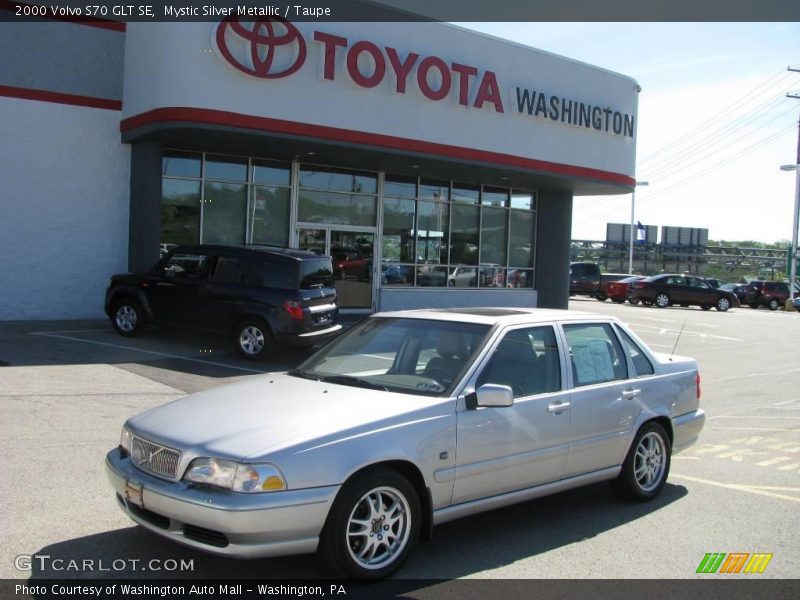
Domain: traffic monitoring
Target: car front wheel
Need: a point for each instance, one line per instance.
(723, 304)
(373, 525)
(662, 300)
(646, 467)
(253, 339)
(128, 317)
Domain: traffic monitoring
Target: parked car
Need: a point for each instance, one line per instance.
(683, 290)
(394, 273)
(740, 289)
(261, 295)
(347, 262)
(618, 290)
(773, 294)
(585, 279)
(408, 420)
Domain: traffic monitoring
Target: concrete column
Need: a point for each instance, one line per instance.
(553, 239)
(145, 222)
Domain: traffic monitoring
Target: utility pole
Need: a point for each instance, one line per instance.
(796, 216)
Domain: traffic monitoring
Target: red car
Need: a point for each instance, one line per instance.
(618, 290)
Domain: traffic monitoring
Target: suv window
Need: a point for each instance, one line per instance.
(776, 287)
(316, 274)
(226, 270)
(184, 265)
(595, 354)
(584, 270)
(281, 275)
(527, 361)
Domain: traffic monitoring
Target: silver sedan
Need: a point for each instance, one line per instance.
(409, 420)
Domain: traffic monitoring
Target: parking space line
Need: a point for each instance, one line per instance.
(106, 329)
(152, 352)
(750, 489)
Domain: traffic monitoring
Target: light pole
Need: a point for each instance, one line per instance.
(793, 258)
(633, 224)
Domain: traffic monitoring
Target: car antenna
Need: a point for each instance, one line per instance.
(678, 339)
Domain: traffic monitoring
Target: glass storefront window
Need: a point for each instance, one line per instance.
(428, 276)
(181, 164)
(224, 213)
(434, 190)
(522, 233)
(494, 236)
(180, 211)
(523, 200)
(336, 208)
(397, 186)
(466, 194)
(270, 215)
(272, 173)
(338, 180)
(463, 277)
(228, 168)
(432, 232)
(464, 235)
(494, 196)
(398, 228)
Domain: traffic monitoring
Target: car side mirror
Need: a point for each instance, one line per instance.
(490, 395)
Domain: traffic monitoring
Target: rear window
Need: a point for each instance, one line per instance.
(316, 274)
(280, 275)
(584, 270)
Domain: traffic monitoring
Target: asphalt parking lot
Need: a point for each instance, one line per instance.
(67, 387)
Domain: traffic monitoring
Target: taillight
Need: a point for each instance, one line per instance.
(294, 309)
(697, 384)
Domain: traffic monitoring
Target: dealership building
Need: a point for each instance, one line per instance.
(437, 165)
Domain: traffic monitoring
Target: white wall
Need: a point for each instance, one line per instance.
(63, 209)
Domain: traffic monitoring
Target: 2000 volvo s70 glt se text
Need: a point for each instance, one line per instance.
(408, 420)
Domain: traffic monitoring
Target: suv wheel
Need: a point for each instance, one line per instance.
(253, 338)
(662, 300)
(774, 304)
(128, 317)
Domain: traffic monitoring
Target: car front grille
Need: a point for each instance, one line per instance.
(155, 458)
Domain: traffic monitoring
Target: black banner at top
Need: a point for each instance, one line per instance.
(404, 10)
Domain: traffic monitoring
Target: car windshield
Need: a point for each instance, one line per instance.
(412, 356)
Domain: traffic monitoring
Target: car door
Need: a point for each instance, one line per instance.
(219, 299)
(505, 449)
(701, 292)
(604, 403)
(173, 293)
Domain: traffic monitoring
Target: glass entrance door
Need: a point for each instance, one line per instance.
(352, 253)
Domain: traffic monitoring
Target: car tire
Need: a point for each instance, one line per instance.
(662, 300)
(253, 338)
(128, 317)
(601, 297)
(364, 542)
(646, 466)
(774, 304)
(633, 301)
(707, 307)
(723, 304)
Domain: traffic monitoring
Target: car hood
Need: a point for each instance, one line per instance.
(270, 413)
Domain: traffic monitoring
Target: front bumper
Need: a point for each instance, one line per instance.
(686, 429)
(219, 521)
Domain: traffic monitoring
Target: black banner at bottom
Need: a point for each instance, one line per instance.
(460, 589)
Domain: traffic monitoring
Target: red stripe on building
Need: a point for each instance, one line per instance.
(59, 98)
(78, 20)
(218, 117)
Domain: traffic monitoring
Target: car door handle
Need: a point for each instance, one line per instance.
(631, 394)
(558, 407)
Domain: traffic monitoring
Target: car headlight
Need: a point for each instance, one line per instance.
(126, 439)
(236, 476)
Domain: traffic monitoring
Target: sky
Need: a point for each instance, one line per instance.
(714, 122)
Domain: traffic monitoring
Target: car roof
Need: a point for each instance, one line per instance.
(271, 250)
(495, 315)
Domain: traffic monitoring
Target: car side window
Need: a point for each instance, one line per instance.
(641, 364)
(226, 270)
(527, 361)
(698, 283)
(674, 280)
(185, 266)
(595, 354)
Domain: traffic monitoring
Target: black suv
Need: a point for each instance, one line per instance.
(262, 295)
(766, 293)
